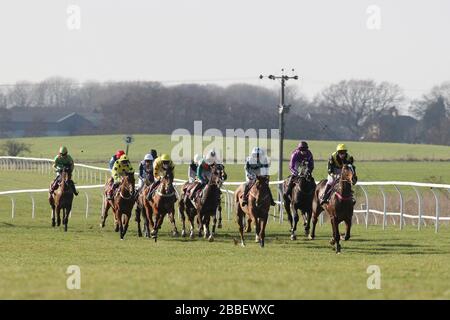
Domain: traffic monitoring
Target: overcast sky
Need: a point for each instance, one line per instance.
(227, 41)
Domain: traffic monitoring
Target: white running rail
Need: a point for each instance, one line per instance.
(95, 174)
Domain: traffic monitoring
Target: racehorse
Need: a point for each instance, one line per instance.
(203, 207)
(257, 209)
(62, 199)
(122, 204)
(300, 199)
(339, 207)
(161, 203)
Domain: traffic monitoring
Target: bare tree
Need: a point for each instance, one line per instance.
(21, 95)
(357, 100)
(13, 148)
(418, 107)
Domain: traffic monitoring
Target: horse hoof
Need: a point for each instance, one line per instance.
(219, 226)
(310, 237)
(53, 223)
(191, 236)
(242, 244)
(332, 242)
(175, 234)
(261, 243)
(211, 239)
(293, 237)
(183, 233)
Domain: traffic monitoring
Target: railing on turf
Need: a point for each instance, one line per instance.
(94, 175)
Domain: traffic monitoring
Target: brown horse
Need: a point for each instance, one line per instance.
(339, 207)
(62, 200)
(257, 209)
(203, 207)
(301, 199)
(161, 203)
(122, 205)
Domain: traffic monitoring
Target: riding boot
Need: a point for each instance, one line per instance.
(326, 195)
(287, 194)
(272, 202)
(245, 196)
(194, 191)
(72, 185)
(152, 188)
(111, 191)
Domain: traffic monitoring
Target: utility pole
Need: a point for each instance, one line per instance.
(282, 109)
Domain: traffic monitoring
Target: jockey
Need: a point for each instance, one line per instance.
(115, 157)
(162, 166)
(61, 161)
(203, 172)
(256, 165)
(300, 156)
(335, 163)
(193, 166)
(146, 172)
(121, 168)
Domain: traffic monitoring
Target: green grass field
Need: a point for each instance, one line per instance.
(34, 257)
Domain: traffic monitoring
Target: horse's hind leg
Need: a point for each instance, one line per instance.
(58, 216)
(119, 224)
(174, 226)
(312, 233)
(138, 220)
(106, 206)
(240, 215)
(214, 225)
(307, 222)
(181, 209)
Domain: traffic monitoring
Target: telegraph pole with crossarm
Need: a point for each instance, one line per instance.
(282, 109)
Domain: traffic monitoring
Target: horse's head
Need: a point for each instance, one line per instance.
(221, 171)
(166, 186)
(216, 175)
(128, 182)
(348, 174)
(305, 172)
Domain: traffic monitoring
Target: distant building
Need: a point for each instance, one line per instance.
(23, 122)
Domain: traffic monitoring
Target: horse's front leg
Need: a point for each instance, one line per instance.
(138, 220)
(125, 222)
(296, 218)
(348, 227)
(118, 218)
(336, 236)
(53, 215)
(219, 213)
(307, 221)
(214, 225)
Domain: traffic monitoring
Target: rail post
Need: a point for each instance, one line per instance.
(367, 205)
(401, 206)
(384, 207)
(419, 208)
(436, 198)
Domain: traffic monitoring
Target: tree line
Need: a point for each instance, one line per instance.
(347, 110)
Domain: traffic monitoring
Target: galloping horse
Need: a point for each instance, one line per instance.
(122, 205)
(203, 207)
(257, 208)
(301, 199)
(62, 199)
(162, 202)
(339, 207)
